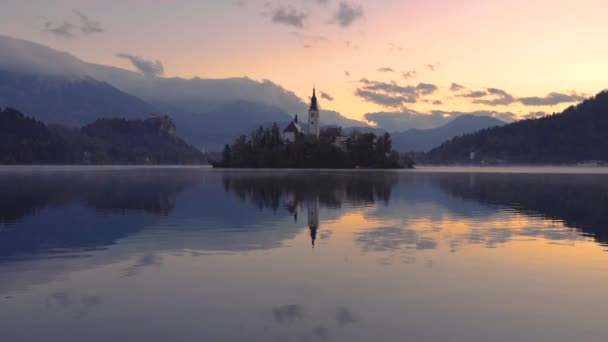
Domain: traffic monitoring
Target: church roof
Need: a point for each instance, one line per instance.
(313, 101)
(293, 127)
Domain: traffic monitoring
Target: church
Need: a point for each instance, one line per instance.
(313, 130)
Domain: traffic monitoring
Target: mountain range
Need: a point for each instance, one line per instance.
(423, 140)
(58, 88)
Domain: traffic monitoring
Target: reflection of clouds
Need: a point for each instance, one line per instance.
(385, 239)
(344, 317)
(61, 299)
(65, 300)
(146, 260)
(456, 232)
(89, 302)
(322, 333)
(288, 313)
(492, 237)
(318, 325)
(555, 234)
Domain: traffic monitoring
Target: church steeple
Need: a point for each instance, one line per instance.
(313, 116)
(313, 101)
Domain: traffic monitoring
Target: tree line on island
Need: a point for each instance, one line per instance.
(264, 148)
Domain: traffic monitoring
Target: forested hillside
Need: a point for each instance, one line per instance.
(576, 135)
(24, 140)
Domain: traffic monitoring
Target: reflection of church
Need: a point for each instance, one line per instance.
(313, 218)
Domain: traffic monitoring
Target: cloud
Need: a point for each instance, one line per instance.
(392, 47)
(499, 98)
(426, 88)
(409, 74)
(455, 87)
(146, 67)
(88, 26)
(406, 119)
(386, 69)
(308, 40)
(381, 99)
(289, 16)
(351, 45)
(437, 102)
(326, 96)
(535, 115)
(392, 94)
(347, 73)
(474, 94)
(431, 67)
(347, 14)
(239, 3)
(63, 30)
(552, 99)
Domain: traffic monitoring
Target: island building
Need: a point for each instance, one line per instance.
(314, 125)
(292, 131)
(313, 117)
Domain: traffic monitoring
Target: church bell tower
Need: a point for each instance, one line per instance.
(313, 116)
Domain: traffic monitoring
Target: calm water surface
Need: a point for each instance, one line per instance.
(201, 255)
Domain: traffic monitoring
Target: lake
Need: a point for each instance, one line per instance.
(195, 254)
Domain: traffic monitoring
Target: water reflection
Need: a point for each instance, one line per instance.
(306, 323)
(42, 212)
(579, 201)
(45, 212)
(196, 255)
(309, 191)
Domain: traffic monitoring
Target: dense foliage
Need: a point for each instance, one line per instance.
(576, 135)
(265, 148)
(24, 140)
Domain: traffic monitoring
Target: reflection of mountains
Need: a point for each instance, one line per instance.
(149, 192)
(59, 197)
(294, 189)
(580, 201)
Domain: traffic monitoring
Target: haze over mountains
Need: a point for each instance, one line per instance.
(56, 87)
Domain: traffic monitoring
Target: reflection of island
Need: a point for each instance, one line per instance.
(311, 191)
(579, 201)
(292, 190)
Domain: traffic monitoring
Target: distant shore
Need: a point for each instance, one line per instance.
(418, 169)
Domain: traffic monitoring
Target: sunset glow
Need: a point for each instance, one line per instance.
(528, 49)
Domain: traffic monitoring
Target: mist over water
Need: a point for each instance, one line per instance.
(192, 254)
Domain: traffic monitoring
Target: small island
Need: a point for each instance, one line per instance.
(313, 148)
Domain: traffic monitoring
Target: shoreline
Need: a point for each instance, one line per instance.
(418, 169)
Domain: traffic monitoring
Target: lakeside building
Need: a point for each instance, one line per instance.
(314, 123)
(292, 131)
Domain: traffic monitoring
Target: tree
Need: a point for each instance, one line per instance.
(226, 155)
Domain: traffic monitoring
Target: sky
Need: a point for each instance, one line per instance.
(515, 58)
